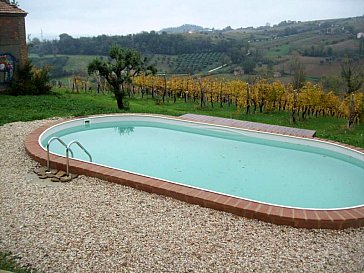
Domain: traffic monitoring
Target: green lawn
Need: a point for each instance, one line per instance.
(8, 263)
(64, 104)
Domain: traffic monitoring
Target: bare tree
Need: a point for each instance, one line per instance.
(299, 74)
(352, 74)
(299, 78)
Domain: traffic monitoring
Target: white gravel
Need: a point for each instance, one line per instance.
(89, 225)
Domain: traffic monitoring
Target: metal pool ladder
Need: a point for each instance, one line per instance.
(68, 151)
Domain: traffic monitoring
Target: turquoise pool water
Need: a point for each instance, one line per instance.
(223, 160)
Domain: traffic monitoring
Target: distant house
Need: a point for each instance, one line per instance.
(360, 35)
(277, 74)
(238, 71)
(13, 48)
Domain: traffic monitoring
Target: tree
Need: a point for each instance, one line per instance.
(14, 3)
(299, 75)
(119, 70)
(30, 81)
(361, 46)
(248, 65)
(352, 74)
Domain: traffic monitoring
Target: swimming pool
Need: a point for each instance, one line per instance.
(260, 167)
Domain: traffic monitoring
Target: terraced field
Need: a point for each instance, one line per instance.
(199, 62)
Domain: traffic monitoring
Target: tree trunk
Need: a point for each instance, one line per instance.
(351, 111)
(294, 108)
(165, 88)
(293, 116)
(247, 100)
(304, 112)
(119, 95)
(119, 99)
(164, 95)
(255, 106)
(202, 102)
(261, 105)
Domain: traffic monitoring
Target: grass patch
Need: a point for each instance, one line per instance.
(274, 52)
(63, 103)
(59, 103)
(8, 263)
(77, 63)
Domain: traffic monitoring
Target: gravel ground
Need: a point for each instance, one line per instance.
(89, 225)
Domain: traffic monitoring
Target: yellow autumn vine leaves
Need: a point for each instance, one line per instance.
(263, 95)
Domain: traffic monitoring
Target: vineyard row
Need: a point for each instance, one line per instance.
(261, 96)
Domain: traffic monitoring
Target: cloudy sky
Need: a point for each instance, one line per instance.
(94, 17)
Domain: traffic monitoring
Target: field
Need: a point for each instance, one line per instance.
(68, 65)
(164, 63)
(63, 65)
(63, 103)
(199, 62)
(78, 62)
(278, 51)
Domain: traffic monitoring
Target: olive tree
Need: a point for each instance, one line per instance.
(119, 70)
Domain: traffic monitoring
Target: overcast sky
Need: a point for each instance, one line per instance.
(94, 17)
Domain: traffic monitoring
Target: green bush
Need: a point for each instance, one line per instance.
(30, 81)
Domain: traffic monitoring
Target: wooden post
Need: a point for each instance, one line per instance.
(247, 99)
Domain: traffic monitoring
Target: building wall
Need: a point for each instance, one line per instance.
(13, 41)
(13, 37)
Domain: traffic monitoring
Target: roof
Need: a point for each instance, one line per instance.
(6, 8)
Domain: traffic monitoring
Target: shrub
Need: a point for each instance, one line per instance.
(30, 81)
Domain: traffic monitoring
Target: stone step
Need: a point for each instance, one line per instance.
(54, 175)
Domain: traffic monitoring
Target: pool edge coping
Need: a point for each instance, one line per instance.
(300, 218)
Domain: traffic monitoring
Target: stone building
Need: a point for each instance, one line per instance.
(13, 47)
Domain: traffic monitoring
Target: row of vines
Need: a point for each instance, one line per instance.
(262, 96)
(194, 63)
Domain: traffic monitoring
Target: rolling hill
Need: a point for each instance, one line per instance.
(247, 52)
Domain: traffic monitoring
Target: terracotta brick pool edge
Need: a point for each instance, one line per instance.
(299, 218)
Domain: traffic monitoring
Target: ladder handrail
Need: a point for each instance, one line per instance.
(49, 143)
(68, 149)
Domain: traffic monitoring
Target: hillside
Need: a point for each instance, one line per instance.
(186, 28)
(248, 52)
